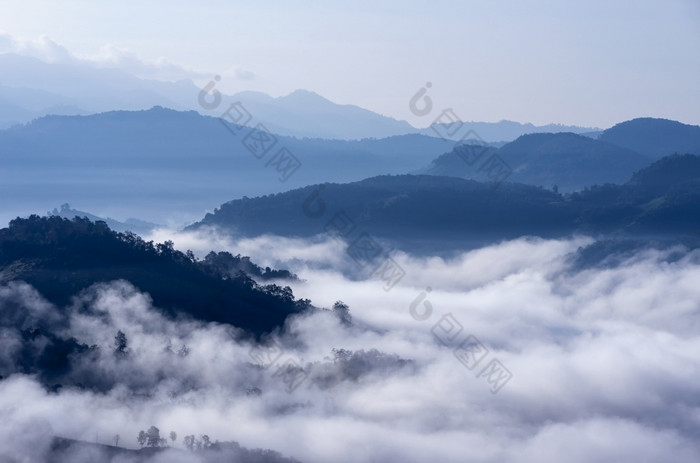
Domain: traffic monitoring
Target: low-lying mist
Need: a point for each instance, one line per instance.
(507, 353)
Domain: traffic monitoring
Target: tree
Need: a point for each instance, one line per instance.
(153, 437)
(141, 439)
(173, 436)
(121, 345)
(197, 445)
(342, 311)
(166, 249)
(189, 442)
(341, 355)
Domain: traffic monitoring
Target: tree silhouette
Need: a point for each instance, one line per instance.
(189, 442)
(196, 445)
(70, 255)
(141, 438)
(153, 437)
(342, 311)
(120, 345)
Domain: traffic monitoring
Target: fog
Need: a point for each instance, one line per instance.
(594, 364)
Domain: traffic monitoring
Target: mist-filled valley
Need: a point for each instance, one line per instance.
(321, 232)
(522, 349)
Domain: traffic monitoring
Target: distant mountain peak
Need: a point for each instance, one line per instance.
(300, 92)
(638, 121)
(253, 95)
(308, 98)
(568, 160)
(654, 137)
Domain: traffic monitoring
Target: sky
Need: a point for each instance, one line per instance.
(591, 63)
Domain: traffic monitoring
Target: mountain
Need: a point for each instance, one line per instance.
(505, 131)
(19, 105)
(414, 211)
(133, 225)
(163, 165)
(39, 87)
(567, 160)
(655, 138)
(61, 258)
(666, 195)
(307, 114)
(31, 88)
(444, 212)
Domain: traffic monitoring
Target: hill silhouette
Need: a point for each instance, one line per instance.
(156, 163)
(506, 131)
(448, 212)
(567, 160)
(133, 225)
(655, 138)
(61, 257)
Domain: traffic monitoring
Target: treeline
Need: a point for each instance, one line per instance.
(154, 447)
(62, 257)
(205, 447)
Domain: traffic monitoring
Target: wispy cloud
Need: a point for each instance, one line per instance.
(111, 56)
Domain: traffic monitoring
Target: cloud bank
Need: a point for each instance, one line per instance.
(603, 363)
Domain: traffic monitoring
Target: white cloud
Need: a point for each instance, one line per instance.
(604, 362)
(111, 56)
(42, 48)
(114, 57)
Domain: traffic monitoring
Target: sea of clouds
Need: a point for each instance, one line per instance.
(514, 354)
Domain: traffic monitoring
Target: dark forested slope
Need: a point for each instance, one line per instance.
(61, 257)
(662, 198)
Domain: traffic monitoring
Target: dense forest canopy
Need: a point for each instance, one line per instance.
(62, 257)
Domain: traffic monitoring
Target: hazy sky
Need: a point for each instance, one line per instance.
(589, 63)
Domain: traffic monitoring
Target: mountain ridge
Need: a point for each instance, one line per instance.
(566, 160)
(62, 258)
(127, 163)
(654, 137)
(81, 88)
(450, 212)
